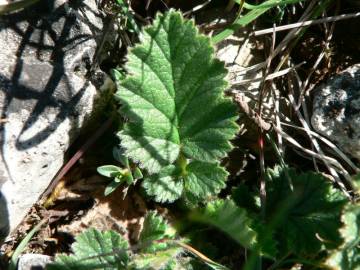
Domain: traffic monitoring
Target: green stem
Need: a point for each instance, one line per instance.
(182, 164)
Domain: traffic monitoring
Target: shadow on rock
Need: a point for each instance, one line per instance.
(48, 90)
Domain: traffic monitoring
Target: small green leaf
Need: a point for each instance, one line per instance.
(94, 250)
(109, 170)
(157, 250)
(119, 156)
(227, 217)
(163, 260)
(137, 173)
(174, 97)
(255, 12)
(111, 187)
(312, 210)
(128, 178)
(119, 179)
(131, 24)
(117, 75)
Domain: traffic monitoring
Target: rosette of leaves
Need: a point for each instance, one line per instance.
(179, 121)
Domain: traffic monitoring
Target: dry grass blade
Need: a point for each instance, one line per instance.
(283, 44)
(197, 8)
(315, 144)
(307, 23)
(244, 106)
(294, 142)
(328, 143)
(270, 76)
(304, 90)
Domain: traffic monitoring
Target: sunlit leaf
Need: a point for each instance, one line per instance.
(174, 99)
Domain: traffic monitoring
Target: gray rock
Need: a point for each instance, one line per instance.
(48, 82)
(336, 110)
(33, 262)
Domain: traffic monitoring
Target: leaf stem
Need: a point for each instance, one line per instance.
(182, 164)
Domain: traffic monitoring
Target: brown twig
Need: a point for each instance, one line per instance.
(244, 106)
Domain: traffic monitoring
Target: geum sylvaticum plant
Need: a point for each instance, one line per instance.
(178, 128)
(179, 122)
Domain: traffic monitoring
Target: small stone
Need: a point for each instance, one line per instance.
(33, 262)
(336, 110)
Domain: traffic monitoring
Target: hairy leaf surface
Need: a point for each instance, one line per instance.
(163, 260)
(166, 186)
(174, 99)
(347, 256)
(227, 217)
(155, 228)
(307, 218)
(201, 180)
(94, 250)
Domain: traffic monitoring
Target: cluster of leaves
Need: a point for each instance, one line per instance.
(156, 249)
(306, 220)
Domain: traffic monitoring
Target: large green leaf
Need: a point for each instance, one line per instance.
(307, 218)
(347, 257)
(94, 250)
(227, 217)
(201, 180)
(174, 98)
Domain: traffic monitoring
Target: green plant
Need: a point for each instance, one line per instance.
(179, 125)
(124, 12)
(179, 121)
(20, 248)
(128, 174)
(158, 248)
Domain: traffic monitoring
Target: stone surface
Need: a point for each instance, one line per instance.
(33, 262)
(48, 88)
(336, 110)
